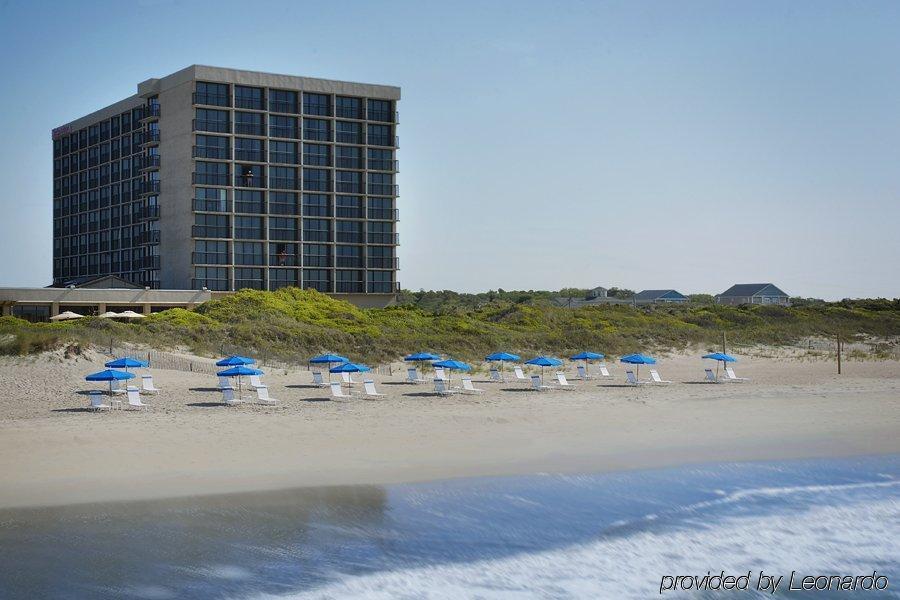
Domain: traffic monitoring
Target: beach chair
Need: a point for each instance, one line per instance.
(730, 376)
(337, 391)
(563, 382)
(97, 401)
(147, 386)
(604, 372)
(440, 387)
(228, 396)
(262, 396)
(256, 382)
(439, 373)
(369, 389)
(225, 383)
(537, 385)
(632, 380)
(468, 387)
(134, 398)
(496, 376)
(520, 375)
(412, 376)
(583, 374)
(116, 387)
(711, 377)
(317, 379)
(345, 376)
(655, 378)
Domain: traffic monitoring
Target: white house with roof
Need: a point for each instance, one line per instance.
(753, 293)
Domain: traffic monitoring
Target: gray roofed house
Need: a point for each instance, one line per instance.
(753, 293)
(659, 296)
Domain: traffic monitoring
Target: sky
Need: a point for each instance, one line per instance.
(647, 145)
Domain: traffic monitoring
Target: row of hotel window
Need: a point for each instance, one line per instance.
(289, 203)
(323, 280)
(111, 240)
(104, 263)
(280, 254)
(288, 178)
(289, 229)
(94, 134)
(244, 123)
(320, 155)
(286, 101)
(120, 148)
(118, 184)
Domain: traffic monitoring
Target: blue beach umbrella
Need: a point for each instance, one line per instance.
(421, 357)
(452, 365)
(125, 362)
(502, 357)
(544, 361)
(328, 359)
(239, 371)
(587, 356)
(233, 361)
(638, 359)
(720, 357)
(110, 376)
(349, 367)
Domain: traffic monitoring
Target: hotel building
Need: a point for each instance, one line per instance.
(218, 179)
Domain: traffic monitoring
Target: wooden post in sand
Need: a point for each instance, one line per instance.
(723, 343)
(839, 344)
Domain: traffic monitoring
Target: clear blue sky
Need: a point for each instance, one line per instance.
(640, 144)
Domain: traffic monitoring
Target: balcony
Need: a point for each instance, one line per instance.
(213, 152)
(205, 205)
(284, 183)
(384, 214)
(251, 103)
(147, 237)
(285, 158)
(384, 116)
(150, 113)
(208, 99)
(376, 164)
(281, 106)
(249, 128)
(384, 189)
(349, 287)
(209, 258)
(388, 239)
(347, 187)
(150, 138)
(150, 163)
(377, 262)
(210, 178)
(213, 126)
(384, 287)
(149, 187)
(249, 181)
(347, 162)
(210, 231)
(150, 262)
(278, 131)
(344, 112)
(148, 213)
(249, 155)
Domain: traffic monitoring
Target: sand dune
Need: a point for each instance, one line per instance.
(54, 452)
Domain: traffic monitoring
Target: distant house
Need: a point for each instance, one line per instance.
(597, 292)
(593, 297)
(753, 293)
(659, 297)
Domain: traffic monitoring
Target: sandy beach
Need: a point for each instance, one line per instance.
(53, 451)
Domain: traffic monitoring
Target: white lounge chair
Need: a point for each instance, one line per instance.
(730, 376)
(262, 396)
(134, 398)
(116, 387)
(496, 376)
(225, 383)
(337, 391)
(537, 385)
(228, 396)
(563, 382)
(345, 376)
(369, 389)
(317, 379)
(147, 386)
(655, 378)
(604, 372)
(440, 387)
(440, 374)
(97, 401)
(632, 380)
(412, 376)
(468, 387)
(711, 377)
(520, 375)
(583, 374)
(256, 382)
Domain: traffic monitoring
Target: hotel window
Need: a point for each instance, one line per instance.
(380, 110)
(126, 146)
(283, 152)
(282, 101)
(210, 173)
(381, 159)
(283, 203)
(249, 149)
(316, 130)
(348, 256)
(348, 182)
(249, 123)
(33, 313)
(317, 104)
(350, 232)
(382, 184)
(104, 130)
(348, 108)
(347, 132)
(114, 147)
(316, 255)
(210, 120)
(283, 127)
(114, 126)
(212, 278)
(249, 228)
(316, 155)
(249, 201)
(208, 252)
(380, 135)
(211, 146)
(284, 178)
(93, 134)
(283, 255)
(248, 253)
(316, 230)
(348, 207)
(215, 94)
(317, 279)
(210, 199)
(249, 176)
(280, 278)
(211, 226)
(381, 257)
(381, 232)
(248, 278)
(316, 205)
(248, 97)
(381, 282)
(348, 157)
(283, 228)
(316, 180)
(348, 282)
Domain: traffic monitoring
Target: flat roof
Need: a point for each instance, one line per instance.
(50, 295)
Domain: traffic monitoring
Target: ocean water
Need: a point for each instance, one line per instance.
(543, 536)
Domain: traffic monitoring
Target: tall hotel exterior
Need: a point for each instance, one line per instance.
(219, 179)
